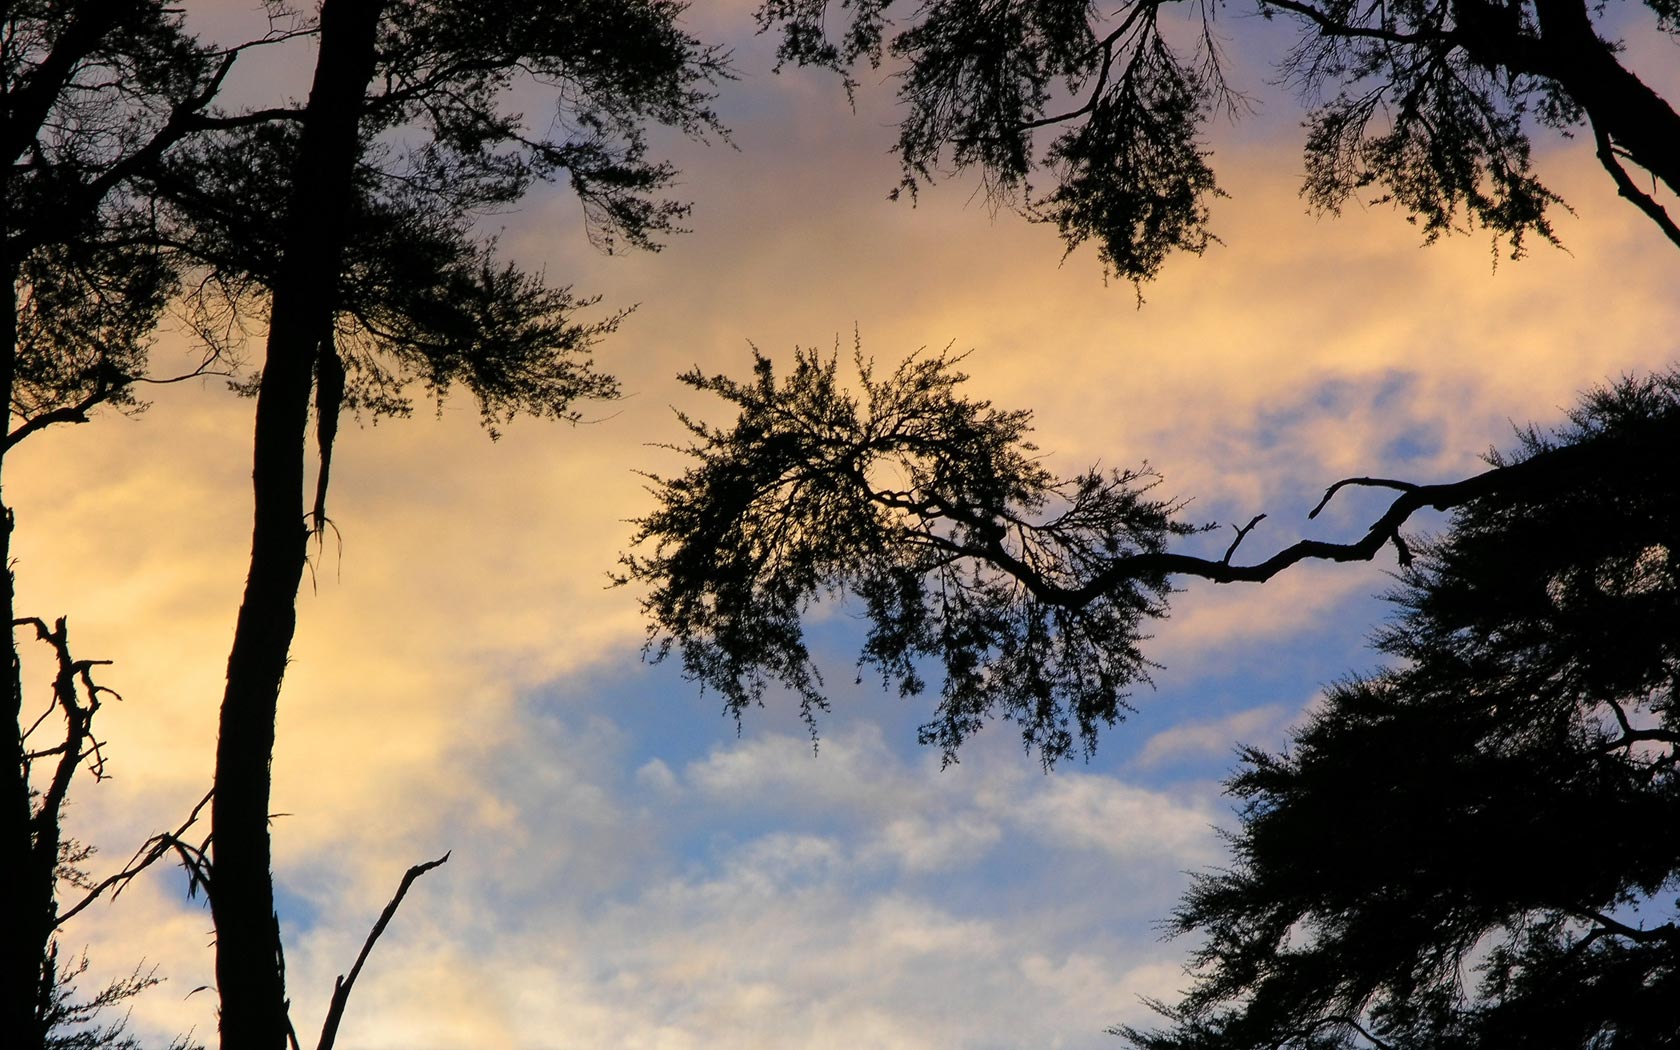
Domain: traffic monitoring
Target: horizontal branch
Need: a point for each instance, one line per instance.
(1666, 932)
(1553, 470)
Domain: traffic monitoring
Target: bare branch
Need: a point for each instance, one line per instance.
(1387, 483)
(341, 987)
(1624, 185)
(1241, 532)
(149, 852)
(1666, 932)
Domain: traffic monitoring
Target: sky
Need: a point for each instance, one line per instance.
(630, 868)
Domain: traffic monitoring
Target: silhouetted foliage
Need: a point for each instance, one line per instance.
(96, 92)
(345, 224)
(1472, 848)
(1026, 594)
(934, 512)
(375, 282)
(76, 1023)
(419, 298)
(1429, 104)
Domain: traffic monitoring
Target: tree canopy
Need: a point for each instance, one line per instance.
(1431, 106)
(932, 510)
(1473, 847)
(344, 227)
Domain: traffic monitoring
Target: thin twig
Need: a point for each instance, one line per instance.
(144, 857)
(1386, 483)
(1244, 531)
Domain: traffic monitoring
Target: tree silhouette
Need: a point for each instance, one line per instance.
(1471, 848)
(354, 312)
(1031, 593)
(97, 93)
(1430, 106)
(126, 177)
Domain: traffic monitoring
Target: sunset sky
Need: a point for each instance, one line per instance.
(628, 870)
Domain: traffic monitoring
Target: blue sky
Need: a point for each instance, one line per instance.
(628, 868)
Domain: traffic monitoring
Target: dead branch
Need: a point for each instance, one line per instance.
(192, 858)
(341, 986)
(1241, 532)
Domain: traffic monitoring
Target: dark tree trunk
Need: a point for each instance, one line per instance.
(1568, 50)
(249, 969)
(26, 920)
(1634, 116)
(28, 840)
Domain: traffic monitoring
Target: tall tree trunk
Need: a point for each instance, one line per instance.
(26, 920)
(29, 840)
(249, 968)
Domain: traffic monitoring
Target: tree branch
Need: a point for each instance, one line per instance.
(1241, 532)
(1331, 27)
(1550, 471)
(341, 986)
(1666, 932)
(148, 854)
(1329, 493)
(1107, 46)
(1624, 185)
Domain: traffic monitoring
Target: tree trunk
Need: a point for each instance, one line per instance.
(29, 840)
(26, 920)
(1569, 51)
(1623, 106)
(249, 966)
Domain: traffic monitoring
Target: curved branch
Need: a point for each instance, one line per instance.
(1107, 46)
(1624, 186)
(1553, 470)
(1332, 27)
(1330, 493)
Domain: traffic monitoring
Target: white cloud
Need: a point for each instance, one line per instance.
(1088, 811)
(920, 844)
(1216, 738)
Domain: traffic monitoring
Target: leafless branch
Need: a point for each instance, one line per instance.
(154, 848)
(1624, 185)
(341, 987)
(1241, 532)
(1553, 470)
(1666, 932)
(1386, 483)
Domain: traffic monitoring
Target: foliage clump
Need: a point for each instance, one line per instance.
(1472, 847)
(935, 513)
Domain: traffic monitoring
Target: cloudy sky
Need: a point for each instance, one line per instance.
(631, 870)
